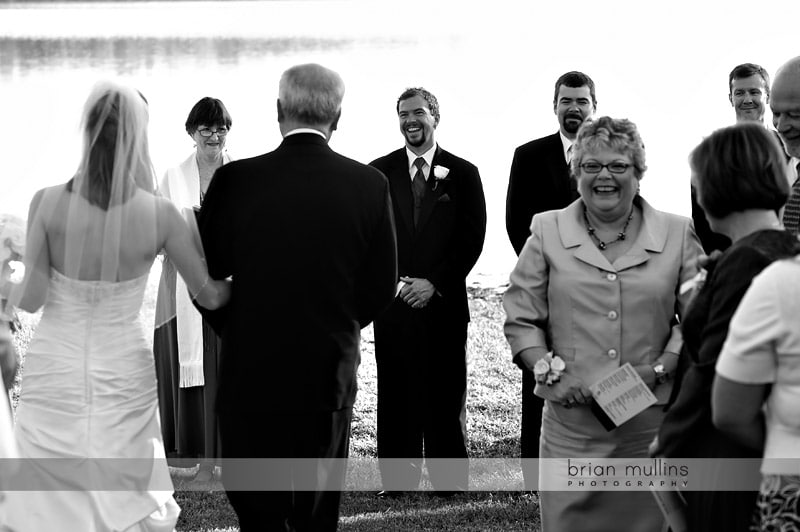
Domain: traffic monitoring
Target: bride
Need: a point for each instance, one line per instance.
(89, 386)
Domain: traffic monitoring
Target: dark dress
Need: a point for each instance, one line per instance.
(188, 415)
(687, 430)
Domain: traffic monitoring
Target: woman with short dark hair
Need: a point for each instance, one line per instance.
(186, 348)
(739, 176)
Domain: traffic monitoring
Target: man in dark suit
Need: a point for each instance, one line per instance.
(308, 237)
(420, 341)
(748, 92)
(540, 181)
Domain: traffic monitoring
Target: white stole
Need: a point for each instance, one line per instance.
(181, 185)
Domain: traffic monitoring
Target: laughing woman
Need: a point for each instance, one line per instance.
(186, 348)
(597, 285)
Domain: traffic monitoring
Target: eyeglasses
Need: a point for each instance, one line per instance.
(614, 168)
(221, 132)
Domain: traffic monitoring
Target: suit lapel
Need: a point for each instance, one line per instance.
(652, 237)
(573, 235)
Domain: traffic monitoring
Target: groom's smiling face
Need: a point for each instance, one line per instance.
(416, 123)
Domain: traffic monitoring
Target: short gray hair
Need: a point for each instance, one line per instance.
(617, 134)
(311, 94)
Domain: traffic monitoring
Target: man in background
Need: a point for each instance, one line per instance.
(748, 92)
(540, 181)
(420, 341)
(308, 237)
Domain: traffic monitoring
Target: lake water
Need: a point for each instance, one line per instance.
(491, 64)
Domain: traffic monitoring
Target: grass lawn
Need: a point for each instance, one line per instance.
(493, 411)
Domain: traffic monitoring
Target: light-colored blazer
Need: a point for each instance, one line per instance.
(566, 297)
(181, 185)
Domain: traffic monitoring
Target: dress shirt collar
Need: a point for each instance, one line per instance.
(305, 130)
(428, 156)
(565, 143)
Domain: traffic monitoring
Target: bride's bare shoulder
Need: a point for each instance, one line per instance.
(55, 191)
(48, 197)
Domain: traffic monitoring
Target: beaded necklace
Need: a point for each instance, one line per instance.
(591, 230)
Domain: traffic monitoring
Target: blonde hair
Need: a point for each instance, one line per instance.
(116, 157)
(618, 134)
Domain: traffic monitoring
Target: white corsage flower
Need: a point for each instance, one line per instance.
(548, 370)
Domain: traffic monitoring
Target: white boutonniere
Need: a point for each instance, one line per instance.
(548, 370)
(439, 174)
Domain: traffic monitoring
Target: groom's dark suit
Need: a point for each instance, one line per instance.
(540, 181)
(421, 353)
(308, 236)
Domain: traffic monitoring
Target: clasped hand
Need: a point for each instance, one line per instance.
(416, 292)
(568, 391)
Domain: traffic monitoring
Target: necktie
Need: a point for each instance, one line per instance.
(419, 186)
(791, 211)
(569, 154)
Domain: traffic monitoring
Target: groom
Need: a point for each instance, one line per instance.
(308, 237)
(420, 341)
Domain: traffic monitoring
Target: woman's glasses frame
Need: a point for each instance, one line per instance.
(616, 167)
(221, 132)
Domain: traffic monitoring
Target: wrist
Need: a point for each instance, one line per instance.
(660, 373)
(528, 357)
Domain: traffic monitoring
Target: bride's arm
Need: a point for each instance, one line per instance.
(184, 251)
(31, 293)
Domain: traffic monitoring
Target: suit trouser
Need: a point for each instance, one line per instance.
(531, 428)
(422, 385)
(287, 435)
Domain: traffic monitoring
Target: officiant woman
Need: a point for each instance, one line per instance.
(186, 348)
(597, 284)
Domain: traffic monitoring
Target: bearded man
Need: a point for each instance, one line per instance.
(541, 181)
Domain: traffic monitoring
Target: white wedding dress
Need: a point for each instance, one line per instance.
(89, 393)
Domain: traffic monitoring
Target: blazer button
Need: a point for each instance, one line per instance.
(612, 315)
(612, 353)
(611, 276)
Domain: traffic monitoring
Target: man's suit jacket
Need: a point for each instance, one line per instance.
(540, 181)
(308, 236)
(452, 225)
